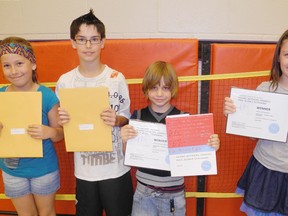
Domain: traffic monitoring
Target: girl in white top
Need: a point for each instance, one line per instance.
(264, 182)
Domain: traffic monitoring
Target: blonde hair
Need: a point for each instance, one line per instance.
(155, 72)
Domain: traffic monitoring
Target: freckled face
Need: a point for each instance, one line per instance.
(18, 70)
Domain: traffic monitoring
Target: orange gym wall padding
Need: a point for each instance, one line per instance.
(235, 151)
(131, 57)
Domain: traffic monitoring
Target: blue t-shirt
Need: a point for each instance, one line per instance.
(35, 167)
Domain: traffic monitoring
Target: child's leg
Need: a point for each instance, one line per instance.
(45, 204)
(148, 202)
(117, 195)
(18, 189)
(88, 201)
(44, 189)
(143, 203)
(25, 205)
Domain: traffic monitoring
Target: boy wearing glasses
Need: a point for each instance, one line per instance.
(103, 182)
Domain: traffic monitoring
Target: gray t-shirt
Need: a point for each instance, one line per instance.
(272, 154)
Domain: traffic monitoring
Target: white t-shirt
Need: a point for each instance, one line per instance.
(96, 166)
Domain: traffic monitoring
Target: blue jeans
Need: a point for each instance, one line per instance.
(148, 202)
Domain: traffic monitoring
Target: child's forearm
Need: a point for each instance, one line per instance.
(57, 134)
(121, 121)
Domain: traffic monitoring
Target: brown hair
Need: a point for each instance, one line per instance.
(88, 19)
(276, 71)
(155, 72)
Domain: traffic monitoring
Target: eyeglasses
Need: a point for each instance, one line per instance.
(83, 41)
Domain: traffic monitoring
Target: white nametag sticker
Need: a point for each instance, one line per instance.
(86, 127)
(17, 131)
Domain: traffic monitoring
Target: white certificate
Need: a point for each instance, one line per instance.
(149, 149)
(259, 114)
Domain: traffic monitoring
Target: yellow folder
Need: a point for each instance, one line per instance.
(17, 111)
(86, 131)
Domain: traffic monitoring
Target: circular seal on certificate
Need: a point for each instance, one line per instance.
(274, 128)
(206, 165)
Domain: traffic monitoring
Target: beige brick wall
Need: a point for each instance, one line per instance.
(257, 20)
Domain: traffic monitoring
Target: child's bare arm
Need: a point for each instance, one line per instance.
(54, 131)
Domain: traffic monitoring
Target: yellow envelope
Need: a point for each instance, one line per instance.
(17, 111)
(86, 131)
